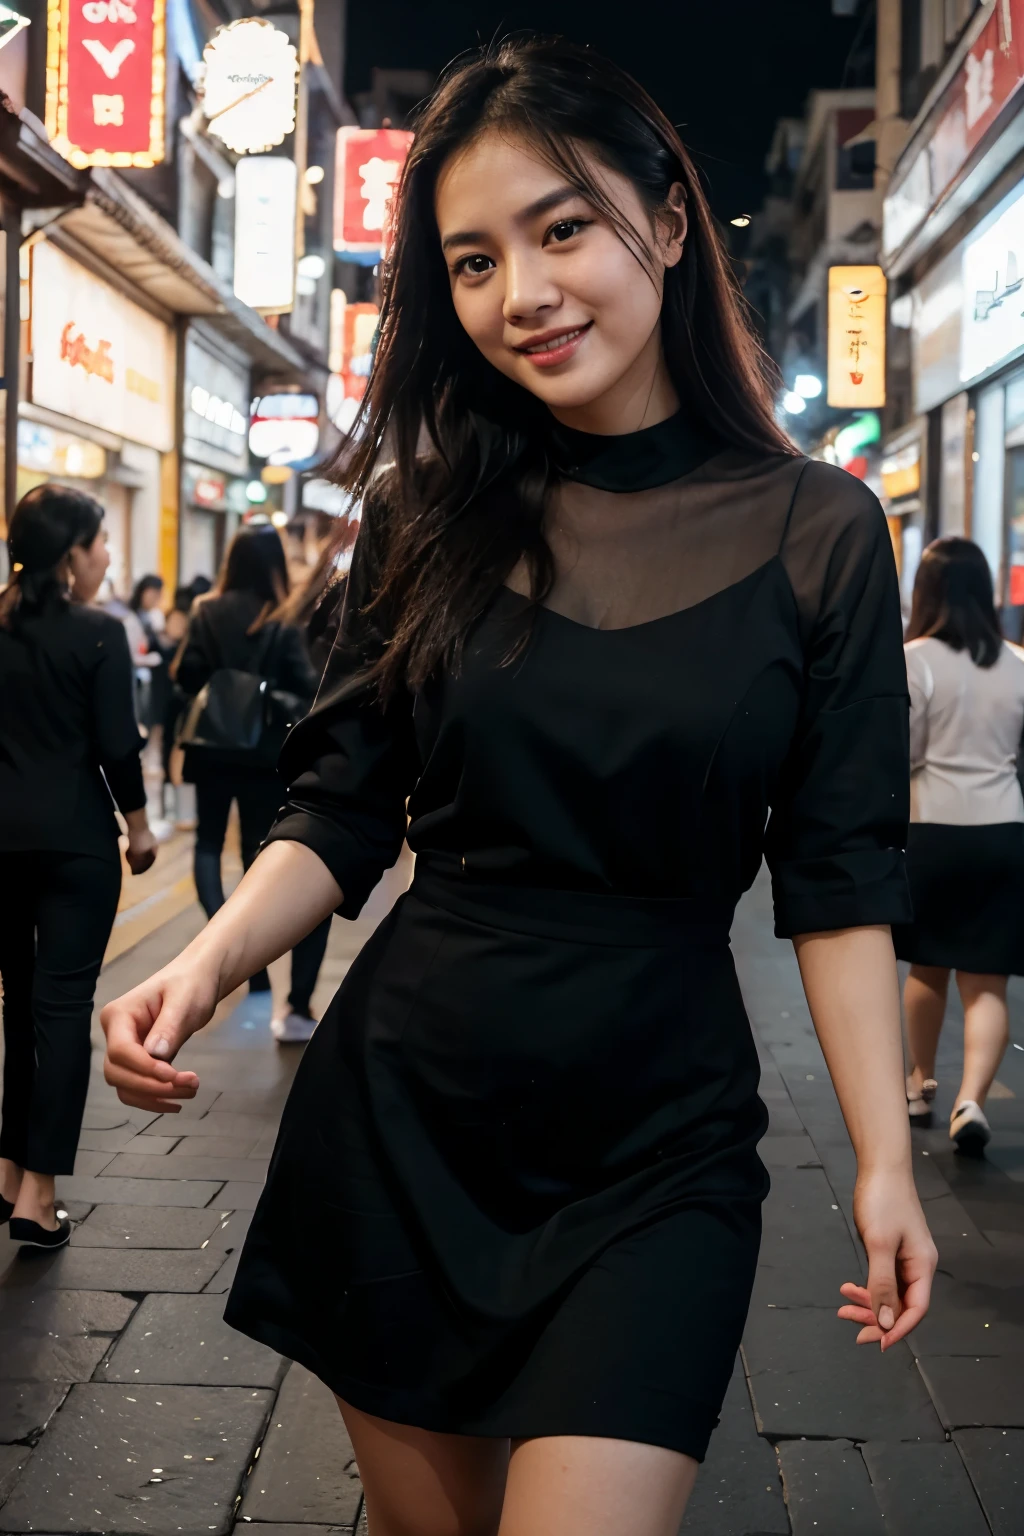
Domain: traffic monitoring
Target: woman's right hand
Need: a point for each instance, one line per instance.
(147, 1027)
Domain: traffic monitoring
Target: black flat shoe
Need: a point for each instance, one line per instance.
(6, 1207)
(32, 1235)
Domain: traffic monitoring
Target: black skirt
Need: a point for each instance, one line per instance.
(967, 889)
(519, 1158)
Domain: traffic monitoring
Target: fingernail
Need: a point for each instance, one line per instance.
(159, 1048)
(885, 1317)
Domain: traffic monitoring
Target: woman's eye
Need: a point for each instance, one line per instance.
(566, 228)
(474, 266)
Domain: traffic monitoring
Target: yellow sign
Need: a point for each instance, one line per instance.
(901, 472)
(856, 337)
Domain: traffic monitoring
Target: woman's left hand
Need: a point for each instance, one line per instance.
(901, 1259)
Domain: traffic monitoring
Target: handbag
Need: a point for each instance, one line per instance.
(237, 717)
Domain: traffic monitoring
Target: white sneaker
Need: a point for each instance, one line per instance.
(919, 1105)
(293, 1029)
(968, 1127)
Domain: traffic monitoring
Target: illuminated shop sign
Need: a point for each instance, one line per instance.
(856, 337)
(992, 290)
(285, 428)
(105, 81)
(215, 408)
(58, 453)
(266, 187)
(369, 165)
(353, 327)
(96, 356)
(250, 85)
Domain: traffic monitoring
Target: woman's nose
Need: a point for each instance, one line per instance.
(528, 289)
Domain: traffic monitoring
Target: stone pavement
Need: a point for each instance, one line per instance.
(127, 1406)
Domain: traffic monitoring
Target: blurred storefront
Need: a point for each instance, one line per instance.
(100, 410)
(215, 453)
(954, 253)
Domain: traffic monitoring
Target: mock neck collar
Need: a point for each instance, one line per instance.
(632, 461)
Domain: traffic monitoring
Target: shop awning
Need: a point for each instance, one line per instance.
(31, 173)
(121, 229)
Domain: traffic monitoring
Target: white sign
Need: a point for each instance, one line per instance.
(266, 187)
(250, 84)
(96, 356)
(285, 428)
(216, 409)
(992, 324)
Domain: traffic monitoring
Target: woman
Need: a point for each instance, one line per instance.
(606, 622)
(965, 856)
(236, 628)
(68, 725)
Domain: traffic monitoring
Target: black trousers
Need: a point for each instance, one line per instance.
(56, 913)
(259, 796)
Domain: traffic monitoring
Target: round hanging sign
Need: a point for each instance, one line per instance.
(249, 86)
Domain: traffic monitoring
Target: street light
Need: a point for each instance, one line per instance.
(808, 385)
(741, 220)
(793, 403)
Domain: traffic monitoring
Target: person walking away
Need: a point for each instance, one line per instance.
(68, 742)
(965, 855)
(152, 683)
(236, 628)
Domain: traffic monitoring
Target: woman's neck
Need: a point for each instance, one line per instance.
(643, 397)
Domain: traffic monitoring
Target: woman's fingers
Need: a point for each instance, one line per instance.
(882, 1287)
(916, 1297)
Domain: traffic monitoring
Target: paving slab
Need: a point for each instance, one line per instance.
(263, 1528)
(146, 1226)
(91, 1163)
(923, 1488)
(224, 1279)
(306, 1473)
(12, 1459)
(105, 1190)
(142, 1269)
(114, 1140)
(980, 1390)
(151, 1146)
(26, 1407)
(185, 1340)
(208, 1146)
(738, 1489)
(828, 1490)
(995, 1460)
(120, 1460)
(214, 1124)
(809, 1377)
(239, 1196)
(57, 1336)
(131, 1166)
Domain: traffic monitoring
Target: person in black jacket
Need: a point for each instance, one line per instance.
(235, 627)
(68, 741)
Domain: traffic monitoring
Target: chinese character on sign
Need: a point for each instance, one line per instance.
(369, 166)
(979, 83)
(378, 178)
(108, 110)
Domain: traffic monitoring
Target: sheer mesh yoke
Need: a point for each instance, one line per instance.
(718, 652)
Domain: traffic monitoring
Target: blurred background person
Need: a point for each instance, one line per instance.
(151, 686)
(68, 724)
(965, 855)
(239, 628)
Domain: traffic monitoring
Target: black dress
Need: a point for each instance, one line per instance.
(516, 1190)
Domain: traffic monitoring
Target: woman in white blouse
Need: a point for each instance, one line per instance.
(965, 857)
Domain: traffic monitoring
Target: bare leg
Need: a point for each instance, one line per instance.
(575, 1486)
(10, 1179)
(35, 1200)
(924, 1001)
(986, 1032)
(418, 1483)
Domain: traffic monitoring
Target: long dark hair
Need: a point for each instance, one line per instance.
(448, 546)
(144, 584)
(46, 525)
(255, 563)
(953, 600)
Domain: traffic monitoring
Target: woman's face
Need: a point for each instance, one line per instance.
(545, 287)
(151, 598)
(88, 566)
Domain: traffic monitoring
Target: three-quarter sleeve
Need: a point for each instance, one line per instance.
(351, 764)
(837, 833)
(118, 743)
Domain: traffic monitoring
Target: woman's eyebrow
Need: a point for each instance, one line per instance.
(544, 204)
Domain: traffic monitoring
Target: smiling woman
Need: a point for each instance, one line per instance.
(603, 627)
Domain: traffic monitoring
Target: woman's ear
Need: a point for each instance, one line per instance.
(672, 225)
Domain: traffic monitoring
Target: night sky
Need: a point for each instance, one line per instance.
(724, 70)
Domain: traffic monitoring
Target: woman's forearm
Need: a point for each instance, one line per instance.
(281, 898)
(853, 993)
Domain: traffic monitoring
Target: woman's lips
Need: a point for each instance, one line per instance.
(555, 347)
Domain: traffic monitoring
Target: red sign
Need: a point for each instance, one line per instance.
(105, 81)
(369, 164)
